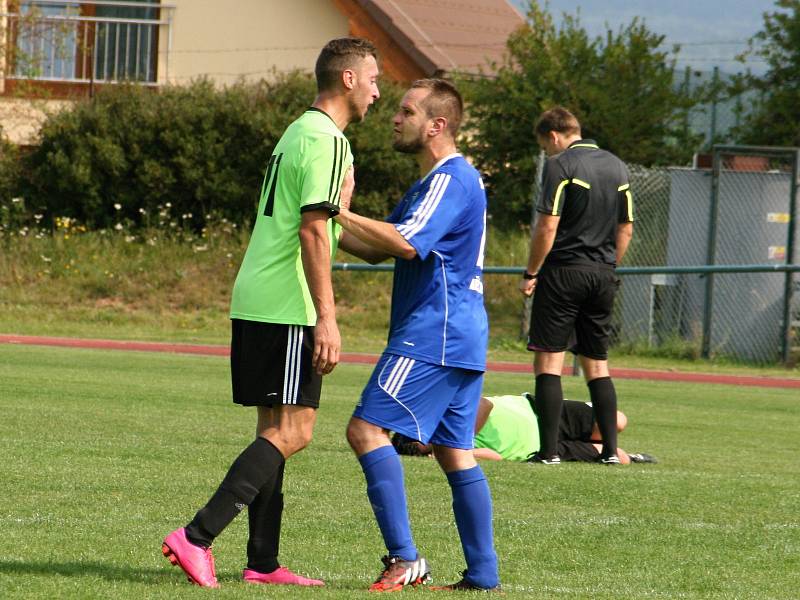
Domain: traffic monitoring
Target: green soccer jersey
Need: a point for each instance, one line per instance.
(305, 172)
(511, 429)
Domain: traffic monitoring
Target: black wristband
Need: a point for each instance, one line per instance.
(530, 276)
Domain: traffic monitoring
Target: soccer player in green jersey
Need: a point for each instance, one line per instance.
(284, 331)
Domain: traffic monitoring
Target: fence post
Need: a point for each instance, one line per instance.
(789, 283)
(715, 90)
(711, 254)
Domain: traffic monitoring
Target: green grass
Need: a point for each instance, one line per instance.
(103, 453)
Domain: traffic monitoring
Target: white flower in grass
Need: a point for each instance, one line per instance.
(118, 226)
(118, 206)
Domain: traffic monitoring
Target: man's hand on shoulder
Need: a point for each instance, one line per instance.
(327, 345)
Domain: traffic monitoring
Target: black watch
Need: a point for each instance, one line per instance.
(530, 276)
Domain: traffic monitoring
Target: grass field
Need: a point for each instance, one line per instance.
(103, 453)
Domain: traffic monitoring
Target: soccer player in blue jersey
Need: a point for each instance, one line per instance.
(427, 383)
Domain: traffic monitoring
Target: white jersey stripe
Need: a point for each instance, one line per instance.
(412, 226)
(446, 307)
(404, 228)
(428, 206)
(433, 205)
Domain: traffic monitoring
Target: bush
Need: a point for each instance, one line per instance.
(125, 155)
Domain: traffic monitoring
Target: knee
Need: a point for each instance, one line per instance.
(356, 436)
(290, 441)
(622, 420)
(363, 436)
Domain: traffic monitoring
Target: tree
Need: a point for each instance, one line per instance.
(621, 88)
(773, 119)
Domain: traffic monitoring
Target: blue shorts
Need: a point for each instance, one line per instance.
(427, 402)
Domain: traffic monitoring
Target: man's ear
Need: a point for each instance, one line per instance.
(438, 126)
(349, 79)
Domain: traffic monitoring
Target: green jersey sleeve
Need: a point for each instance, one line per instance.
(323, 167)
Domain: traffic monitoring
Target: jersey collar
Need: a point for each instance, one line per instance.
(319, 110)
(439, 164)
(584, 144)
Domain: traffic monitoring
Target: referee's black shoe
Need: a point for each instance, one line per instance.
(540, 459)
(641, 457)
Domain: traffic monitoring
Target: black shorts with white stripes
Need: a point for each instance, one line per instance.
(271, 364)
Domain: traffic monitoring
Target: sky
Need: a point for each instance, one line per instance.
(710, 32)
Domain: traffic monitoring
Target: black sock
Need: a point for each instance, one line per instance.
(548, 400)
(255, 468)
(604, 405)
(264, 517)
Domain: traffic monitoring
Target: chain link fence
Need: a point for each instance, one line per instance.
(737, 215)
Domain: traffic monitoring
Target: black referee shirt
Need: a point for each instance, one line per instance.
(590, 189)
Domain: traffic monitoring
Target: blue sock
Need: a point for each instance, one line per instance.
(472, 507)
(386, 490)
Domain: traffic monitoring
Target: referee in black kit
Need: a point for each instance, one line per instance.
(584, 225)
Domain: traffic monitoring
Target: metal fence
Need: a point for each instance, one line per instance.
(85, 41)
(736, 221)
(712, 268)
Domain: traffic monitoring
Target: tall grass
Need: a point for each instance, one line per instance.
(166, 281)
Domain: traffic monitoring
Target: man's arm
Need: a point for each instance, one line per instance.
(544, 234)
(379, 235)
(352, 245)
(485, 406)
(315, 251)
(485, 454)
(624, 235)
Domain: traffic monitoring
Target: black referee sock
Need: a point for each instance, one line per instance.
(253, 470)
(548, 400)
(264, 517)
(604, 405)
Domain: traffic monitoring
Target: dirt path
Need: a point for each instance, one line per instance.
(504, 367)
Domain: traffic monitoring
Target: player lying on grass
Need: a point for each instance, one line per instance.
(507, 429)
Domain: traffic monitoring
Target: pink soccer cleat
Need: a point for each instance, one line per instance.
(196, 562)
(280, 576)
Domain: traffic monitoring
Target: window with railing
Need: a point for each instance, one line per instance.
(84, 41)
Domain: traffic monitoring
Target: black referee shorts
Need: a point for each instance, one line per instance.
(577, 420)
(573, 299)
(575, 433)
(271, 364)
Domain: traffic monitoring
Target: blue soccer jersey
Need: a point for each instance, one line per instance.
(437, 298)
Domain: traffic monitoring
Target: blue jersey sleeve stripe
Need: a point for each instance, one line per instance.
(405, 228)
(430, 207)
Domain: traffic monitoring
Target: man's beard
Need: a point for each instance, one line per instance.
(408, 147)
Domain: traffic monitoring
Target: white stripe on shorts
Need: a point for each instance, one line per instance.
(394, 382)
(291, 369)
